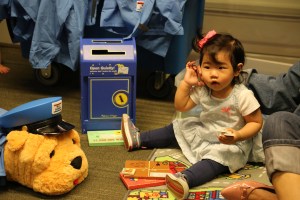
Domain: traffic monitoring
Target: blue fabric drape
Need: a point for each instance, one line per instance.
(48, 30)
(153, 25)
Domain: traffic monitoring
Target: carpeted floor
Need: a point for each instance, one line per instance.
(105, 163)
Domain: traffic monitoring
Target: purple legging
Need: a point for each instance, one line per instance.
(199, 173)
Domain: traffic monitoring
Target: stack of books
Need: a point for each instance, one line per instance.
(141, 174)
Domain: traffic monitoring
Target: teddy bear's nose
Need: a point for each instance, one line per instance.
(76, 162)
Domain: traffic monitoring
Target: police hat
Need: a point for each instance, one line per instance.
(42, 116)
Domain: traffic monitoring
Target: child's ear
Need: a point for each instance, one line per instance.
(239, 69)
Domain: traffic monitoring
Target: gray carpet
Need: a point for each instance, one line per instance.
(105, 163)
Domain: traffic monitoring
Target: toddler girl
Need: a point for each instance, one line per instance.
(227, 107)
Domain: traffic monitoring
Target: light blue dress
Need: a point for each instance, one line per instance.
(197, 136)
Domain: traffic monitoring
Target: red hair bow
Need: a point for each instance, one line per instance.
(209, 35)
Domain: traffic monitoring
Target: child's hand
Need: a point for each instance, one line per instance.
(229, 136)
(193, 74)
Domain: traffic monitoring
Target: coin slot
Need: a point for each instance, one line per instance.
(106, 52)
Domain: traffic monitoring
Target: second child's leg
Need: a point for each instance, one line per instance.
(281, 142)
(277, 93)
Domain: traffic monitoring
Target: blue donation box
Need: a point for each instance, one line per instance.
(108, 82)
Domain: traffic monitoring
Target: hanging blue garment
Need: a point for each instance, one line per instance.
(158, 19)
(56, 38)
(91, 12)
(23, 23)
(20, 24)
(4, 7)
(48, 30)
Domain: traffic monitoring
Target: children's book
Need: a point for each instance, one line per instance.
(136, 183)
(146, 169)
(162, 193)
(105, 138)
(150, 193)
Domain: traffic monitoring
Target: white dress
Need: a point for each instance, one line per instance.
(197, 136)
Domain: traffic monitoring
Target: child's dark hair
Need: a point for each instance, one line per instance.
(221, 42)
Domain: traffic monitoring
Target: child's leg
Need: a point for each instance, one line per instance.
(277, 93)
(198, 174)
(158, 138)
(203, 171)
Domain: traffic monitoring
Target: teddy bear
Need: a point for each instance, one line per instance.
(45, 155)
(49, 164)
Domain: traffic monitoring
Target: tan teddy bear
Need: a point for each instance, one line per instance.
(51, 164)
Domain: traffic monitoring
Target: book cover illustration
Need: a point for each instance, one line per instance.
(136, 183)
(174, 164)
(105, 138)
(146, 169)
(147, 194)
(159, 193)
(211, 193)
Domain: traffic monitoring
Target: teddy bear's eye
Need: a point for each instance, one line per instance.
(52, 154)
(74, 141)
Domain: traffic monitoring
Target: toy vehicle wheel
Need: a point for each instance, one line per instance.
(159, 85)
(49, 76)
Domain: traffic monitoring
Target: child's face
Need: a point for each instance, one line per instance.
(218, 76)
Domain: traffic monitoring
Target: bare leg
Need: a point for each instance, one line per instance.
(261, 194)
(286, 185)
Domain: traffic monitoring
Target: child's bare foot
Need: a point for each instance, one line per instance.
(4, 69)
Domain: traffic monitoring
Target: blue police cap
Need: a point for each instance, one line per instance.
(40, 116)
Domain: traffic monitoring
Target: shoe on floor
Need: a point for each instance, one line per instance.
(130, 133)
(242, 189)
(178, 185)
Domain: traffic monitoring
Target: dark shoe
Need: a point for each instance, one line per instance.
(178, 185)
(242, 190)
(131, 135)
